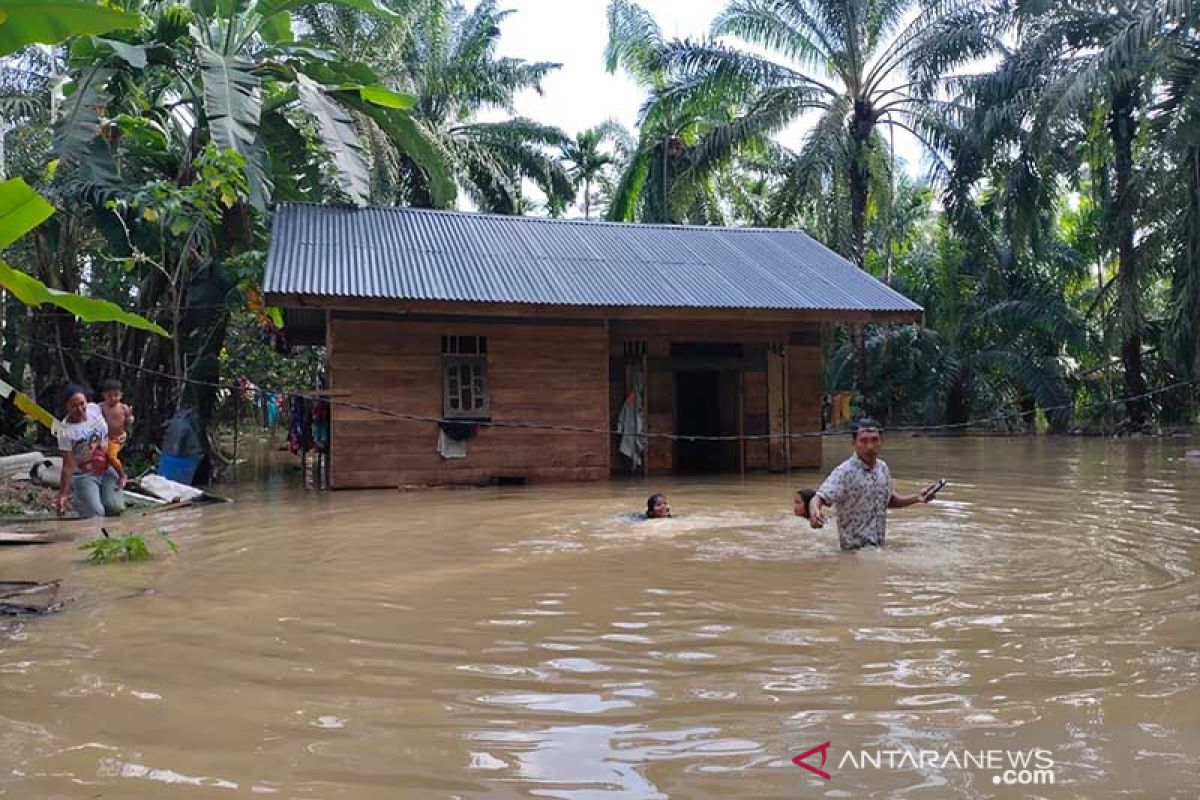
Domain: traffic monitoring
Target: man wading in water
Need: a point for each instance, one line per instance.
(861, 488)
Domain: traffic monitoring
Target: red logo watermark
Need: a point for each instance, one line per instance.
(823, 750)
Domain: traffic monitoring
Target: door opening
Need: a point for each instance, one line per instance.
(706, 404)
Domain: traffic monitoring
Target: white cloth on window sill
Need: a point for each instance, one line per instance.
(449, 448)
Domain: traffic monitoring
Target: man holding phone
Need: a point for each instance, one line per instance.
(861, 488)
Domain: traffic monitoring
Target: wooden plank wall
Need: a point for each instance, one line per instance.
(757, 422)
(545, 372)
(805, 383)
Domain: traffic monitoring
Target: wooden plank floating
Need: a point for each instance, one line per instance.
(8, 538)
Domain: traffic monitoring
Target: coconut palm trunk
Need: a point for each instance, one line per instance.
(1123, 129)
(861, 126)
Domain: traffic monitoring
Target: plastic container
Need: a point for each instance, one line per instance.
(180, 469)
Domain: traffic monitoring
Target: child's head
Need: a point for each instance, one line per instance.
(801, 500)
(110, 390)
(657, 506)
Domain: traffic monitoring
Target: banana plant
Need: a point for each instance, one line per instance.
(235, 74)
(25, 22)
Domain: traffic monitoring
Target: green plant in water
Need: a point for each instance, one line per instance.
(130, 547)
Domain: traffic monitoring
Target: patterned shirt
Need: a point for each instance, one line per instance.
(86, 441)
(861, 494)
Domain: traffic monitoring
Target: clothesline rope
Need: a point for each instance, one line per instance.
(399, 415)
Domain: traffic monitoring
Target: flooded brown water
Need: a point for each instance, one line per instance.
(521, 642)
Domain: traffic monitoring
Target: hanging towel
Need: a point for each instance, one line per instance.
(631, 422)
(450, 448)
(270, 410)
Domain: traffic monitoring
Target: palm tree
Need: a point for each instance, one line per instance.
(987, 345)
(588, 163)
(1173, 203)
(671, 175)
(172, 140)
(1087, 71)
(860, 65)
(446, 57)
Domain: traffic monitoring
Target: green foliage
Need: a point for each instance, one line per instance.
(130, 548)
(1055, 245)
(250, 351)
(24, 22)
(446, 59)
(590, 164)
(21, 210)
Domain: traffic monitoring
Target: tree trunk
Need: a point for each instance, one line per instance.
(860, 178)
(57, 360)
(1028, 406)
(1188, 273)
(587, 199)
(1123, 129)
(958, 408)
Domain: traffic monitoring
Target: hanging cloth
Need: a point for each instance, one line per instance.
(450, 448)
(631, 422)
(459, 430)
(300, 429)
(320, 425)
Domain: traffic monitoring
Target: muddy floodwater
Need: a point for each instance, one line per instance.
(534, 642)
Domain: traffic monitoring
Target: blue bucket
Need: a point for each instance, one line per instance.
(178, 468)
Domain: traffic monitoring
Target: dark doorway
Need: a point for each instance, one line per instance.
(706, 404)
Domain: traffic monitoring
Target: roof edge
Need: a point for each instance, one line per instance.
(505, 309)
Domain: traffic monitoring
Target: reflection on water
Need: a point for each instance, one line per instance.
(542, 642)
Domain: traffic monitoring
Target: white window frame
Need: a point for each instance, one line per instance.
(465, 356)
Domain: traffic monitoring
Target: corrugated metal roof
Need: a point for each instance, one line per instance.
(417, 254)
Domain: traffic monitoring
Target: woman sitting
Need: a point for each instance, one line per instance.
(83, 444)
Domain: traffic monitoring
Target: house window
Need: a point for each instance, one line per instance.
(464, 371)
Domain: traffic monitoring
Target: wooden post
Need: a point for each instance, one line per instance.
(609, 418)
(646, 410)
(787, 409)
(741, 416)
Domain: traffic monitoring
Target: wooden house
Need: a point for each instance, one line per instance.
(552, 333)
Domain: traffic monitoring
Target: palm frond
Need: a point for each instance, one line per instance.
(781, 26)
(634, 41)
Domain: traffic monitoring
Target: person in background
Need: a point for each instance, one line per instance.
(801, 501)
(83, 444)
(861, 488)
(119, 418)
(657, 507)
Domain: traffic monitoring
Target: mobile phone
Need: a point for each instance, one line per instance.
(937, 487)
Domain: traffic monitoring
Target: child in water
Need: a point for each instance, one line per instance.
(657, 507)
(119, 418)
(801, 500)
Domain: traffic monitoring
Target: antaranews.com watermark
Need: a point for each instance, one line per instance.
(1008, 767)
